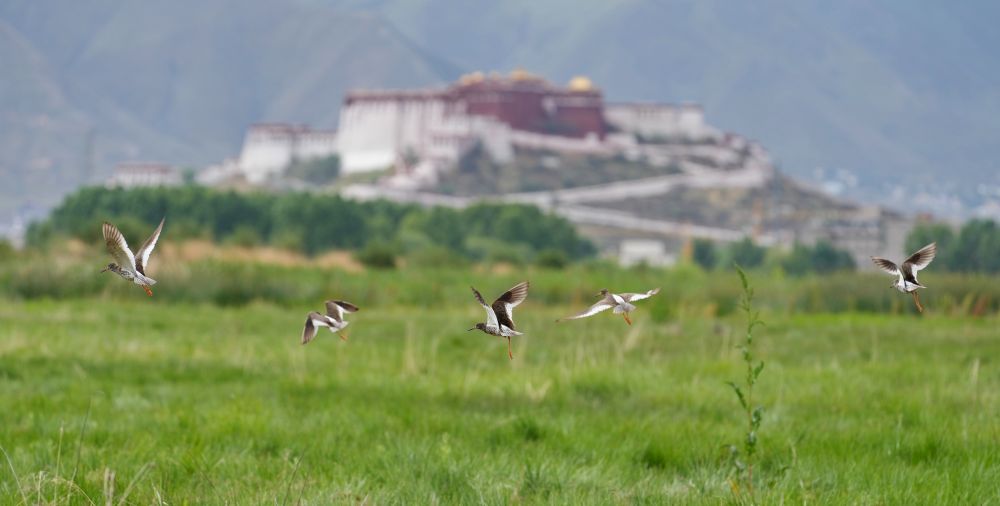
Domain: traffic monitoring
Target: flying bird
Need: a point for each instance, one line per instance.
(906, 281)
(333, 319)
(621, 302)
(500, 315)
(130, 266)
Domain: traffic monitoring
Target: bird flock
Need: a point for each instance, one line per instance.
(499, 315)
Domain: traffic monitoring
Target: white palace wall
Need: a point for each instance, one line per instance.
(372, 131)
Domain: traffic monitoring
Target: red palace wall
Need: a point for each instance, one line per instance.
(531, 104)
(535, 106)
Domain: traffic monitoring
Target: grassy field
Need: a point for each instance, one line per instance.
(117, 397)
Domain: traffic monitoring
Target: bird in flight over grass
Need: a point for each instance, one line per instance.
(621, 302)
(129, 266)
(500, 315)
(907, 274)
(333, 319)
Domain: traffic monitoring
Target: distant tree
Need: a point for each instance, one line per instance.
(977, 247)
(552, 259)
(188, 175)
(827, 258)
(747, 254)
(7, 251)
(311, 222)
(318, 170)
(378, 255)
(926, 233)
(704, 253)
(244, 235)
(821, 258)
(39, 234)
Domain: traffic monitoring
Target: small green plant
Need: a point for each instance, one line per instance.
(744, 391)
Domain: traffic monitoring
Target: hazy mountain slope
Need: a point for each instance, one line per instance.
(41, 134)
(886, 89)
(891, 90)
(181, 80)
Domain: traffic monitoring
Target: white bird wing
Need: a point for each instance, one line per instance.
(335, 309)
(602, 305)
(491, 316)
(117, 246)
(142, 254)
(922, 257)
(312, 320)
(632, 297)
(886, 265)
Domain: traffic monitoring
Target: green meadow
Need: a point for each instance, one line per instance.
(202, 394)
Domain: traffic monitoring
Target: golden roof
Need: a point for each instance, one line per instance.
(519, 74)
(580, 83)
(471, 78)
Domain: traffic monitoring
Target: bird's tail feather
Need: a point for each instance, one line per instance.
(623, 308)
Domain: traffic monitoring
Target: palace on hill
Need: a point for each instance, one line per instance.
(689, 180)
(420, 132)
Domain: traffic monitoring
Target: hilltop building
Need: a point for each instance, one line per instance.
(139, 174)
(420, 131)
(624, 171)
(269, 148)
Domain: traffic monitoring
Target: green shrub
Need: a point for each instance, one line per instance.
(7, 251)
(704, 254)
(245, 236)
(552, 259)
(377, 255)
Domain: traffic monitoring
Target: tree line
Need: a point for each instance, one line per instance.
(974, 247)
(800, 260)
(313, 223)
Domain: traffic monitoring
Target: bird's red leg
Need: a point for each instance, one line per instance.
(148, 291)
(627, 320)
(509, 354)
(343, 335)
(916, 299)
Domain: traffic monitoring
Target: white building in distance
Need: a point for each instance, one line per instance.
(270, 148)
(139, 174)
(420, 131)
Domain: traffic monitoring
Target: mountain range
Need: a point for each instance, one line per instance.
(896, 93)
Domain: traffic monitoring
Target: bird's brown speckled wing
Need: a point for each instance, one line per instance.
(886, 265)
(505, 304)
(117, 247)
(142, 254)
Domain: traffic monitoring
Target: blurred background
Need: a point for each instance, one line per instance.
(393, 152)
(787, 123)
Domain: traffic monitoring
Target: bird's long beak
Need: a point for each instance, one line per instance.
(104, 269)
(473, 328)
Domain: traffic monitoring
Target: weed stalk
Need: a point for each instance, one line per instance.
(744, 392)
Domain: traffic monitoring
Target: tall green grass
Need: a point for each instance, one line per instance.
(686, 289)
(192, 403)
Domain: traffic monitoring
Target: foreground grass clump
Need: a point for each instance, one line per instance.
(174, 402)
